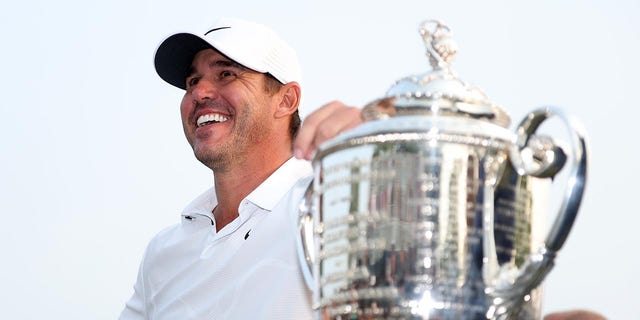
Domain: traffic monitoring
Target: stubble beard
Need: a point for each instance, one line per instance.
(247, 132)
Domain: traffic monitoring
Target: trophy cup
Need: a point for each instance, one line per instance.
(432, 208)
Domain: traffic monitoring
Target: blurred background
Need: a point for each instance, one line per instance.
(93, 161)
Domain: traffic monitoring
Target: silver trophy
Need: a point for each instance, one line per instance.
(433, 209)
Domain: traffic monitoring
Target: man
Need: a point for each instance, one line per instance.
(233, 255)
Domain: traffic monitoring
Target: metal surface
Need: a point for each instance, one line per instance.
(432, 209)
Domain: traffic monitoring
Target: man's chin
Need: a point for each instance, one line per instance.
(215, 162)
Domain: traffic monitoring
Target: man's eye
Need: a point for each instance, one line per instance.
(226, 73)
(192, 81)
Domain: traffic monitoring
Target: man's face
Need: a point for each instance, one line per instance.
(226, 110)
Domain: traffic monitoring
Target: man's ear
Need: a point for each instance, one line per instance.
(289, 100)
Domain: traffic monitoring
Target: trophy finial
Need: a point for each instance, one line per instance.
(437, 91)
(441, 49)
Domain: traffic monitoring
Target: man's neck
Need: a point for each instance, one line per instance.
(235, 184)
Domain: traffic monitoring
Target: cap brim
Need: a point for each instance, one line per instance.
(174, 57)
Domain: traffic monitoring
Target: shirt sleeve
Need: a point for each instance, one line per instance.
(135, 307)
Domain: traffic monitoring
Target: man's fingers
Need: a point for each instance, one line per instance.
(337, 122)
(324, 124)
(307, 131)
(574, 315)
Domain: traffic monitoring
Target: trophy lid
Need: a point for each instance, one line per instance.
(438, 92)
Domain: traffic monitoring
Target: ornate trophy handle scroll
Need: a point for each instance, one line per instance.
(508, 296)
(305, 236)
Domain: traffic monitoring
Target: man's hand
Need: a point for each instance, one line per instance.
(323, 124)
(574, 315)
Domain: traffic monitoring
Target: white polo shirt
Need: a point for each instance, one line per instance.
(248, 270)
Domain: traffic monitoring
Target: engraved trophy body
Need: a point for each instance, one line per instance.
(432, 208)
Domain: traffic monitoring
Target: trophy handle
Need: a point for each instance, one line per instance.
(305, 236)
(508, 295)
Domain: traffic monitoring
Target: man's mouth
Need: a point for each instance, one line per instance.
(210, 118)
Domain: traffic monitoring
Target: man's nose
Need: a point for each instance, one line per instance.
(204, 90)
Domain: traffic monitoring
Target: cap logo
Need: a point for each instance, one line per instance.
(214, 29)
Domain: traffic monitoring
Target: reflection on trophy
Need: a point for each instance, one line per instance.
(433, 209)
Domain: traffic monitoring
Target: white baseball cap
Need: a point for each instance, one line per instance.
(250, 44)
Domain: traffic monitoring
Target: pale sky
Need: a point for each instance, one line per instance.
(93, 161)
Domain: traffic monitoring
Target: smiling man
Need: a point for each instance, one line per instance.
(233, 255)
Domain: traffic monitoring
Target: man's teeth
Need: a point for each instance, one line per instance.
(204, 119)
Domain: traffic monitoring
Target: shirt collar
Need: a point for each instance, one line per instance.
(266, 195)
(202, 205)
